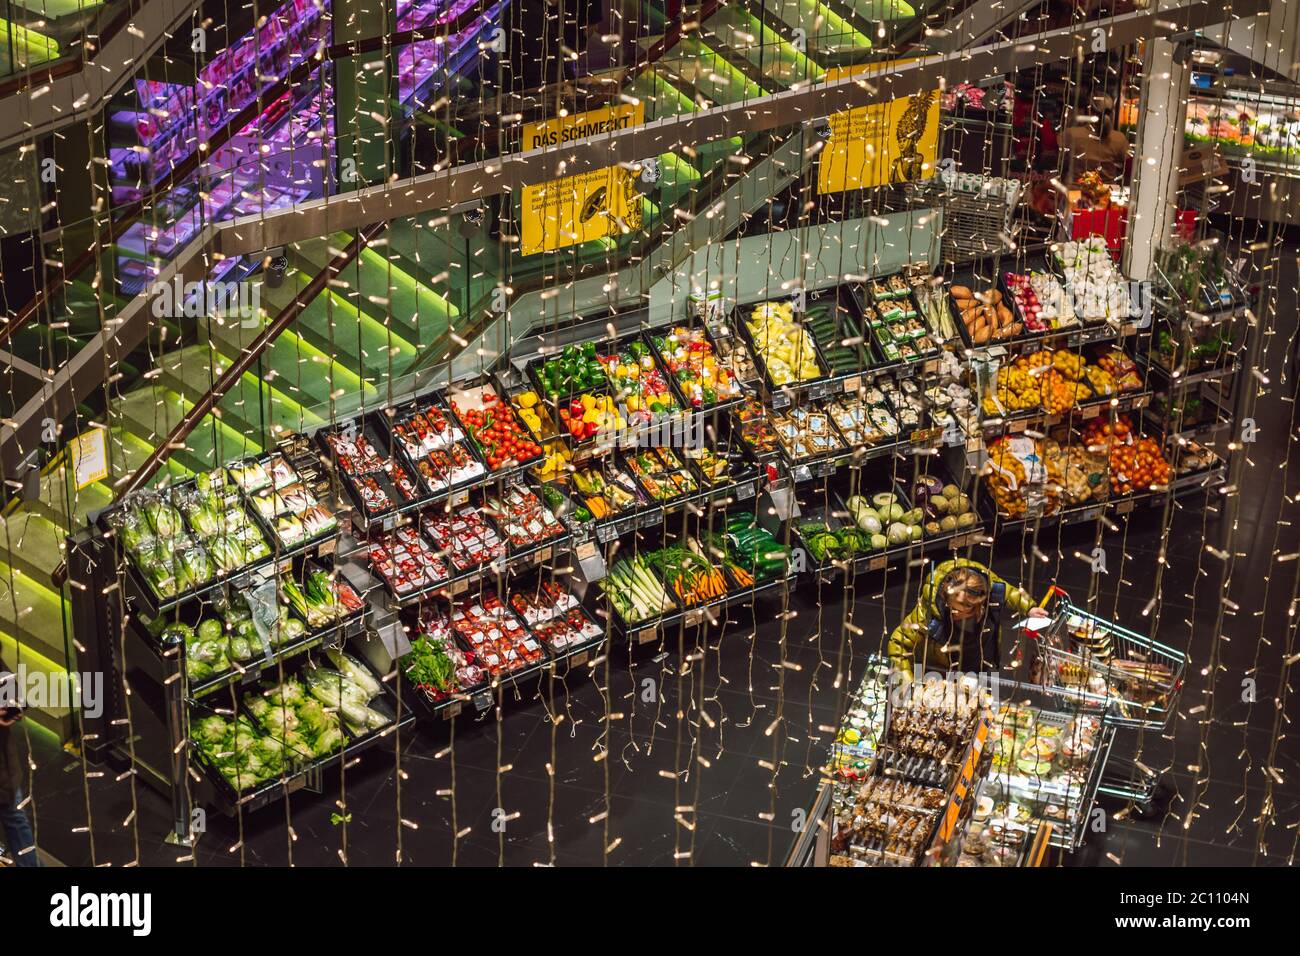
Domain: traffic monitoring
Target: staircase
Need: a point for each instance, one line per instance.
(400, 296)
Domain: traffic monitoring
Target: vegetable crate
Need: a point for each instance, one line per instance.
(1140, 678)
(897, 322)
(788, 356)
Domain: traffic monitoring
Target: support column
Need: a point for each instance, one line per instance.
(365, 120)
(1158, 155)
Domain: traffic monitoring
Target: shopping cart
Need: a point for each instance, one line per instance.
(1140, 678)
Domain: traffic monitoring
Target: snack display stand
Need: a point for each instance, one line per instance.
(1049, 753)
(916, 767)
(1038, 761)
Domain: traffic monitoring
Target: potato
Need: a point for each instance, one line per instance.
(962, 292)
(1004, 315)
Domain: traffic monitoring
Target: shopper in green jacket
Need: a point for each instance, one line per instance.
(957, 620)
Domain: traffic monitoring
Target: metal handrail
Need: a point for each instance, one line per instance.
(248, 357)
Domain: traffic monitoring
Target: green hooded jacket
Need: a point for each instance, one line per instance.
(910, 641)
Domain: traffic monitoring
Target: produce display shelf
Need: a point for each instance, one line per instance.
(845, 384)
(879, 560)
(920, 441)
(148, 603)
(642, 632)
(305, 777)
(1072, 338)
(457, 494)
(1017, 421)
(1174, 381)
(653, 515)
(482, 695)
(837, 517)
(813, 388)
(726, 404)
(1118, 504)
(333, 635)
(459, 583)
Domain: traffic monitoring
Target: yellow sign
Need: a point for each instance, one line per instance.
(591, 205)
(89, 457)
(894, 142)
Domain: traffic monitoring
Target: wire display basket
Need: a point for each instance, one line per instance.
(1140, 678)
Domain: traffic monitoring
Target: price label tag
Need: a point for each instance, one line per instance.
(605, 533)
(645, 635)
(578, 659)
(693, 617)
(1017, 425)
(1124, 507)
(1141, 401)
(932, 366)
(877, 563)
(459, 498)
(824, 468)
(451, 710)
(389, 522)
(294, 784)
(853, 385)
(545, 554)
(1089, 411)
(482, 701)
(802, 473)
(745, 491)
(780, 400)
(327, 547)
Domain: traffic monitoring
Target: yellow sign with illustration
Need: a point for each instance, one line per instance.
(894, 142)
(590, 205)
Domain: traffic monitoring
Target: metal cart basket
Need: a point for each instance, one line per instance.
(1140, 678)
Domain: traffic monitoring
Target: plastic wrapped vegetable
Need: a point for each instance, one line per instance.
(192, 567)
(356, 672)
(163, 518)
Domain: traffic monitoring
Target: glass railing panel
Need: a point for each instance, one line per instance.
(50, 34)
